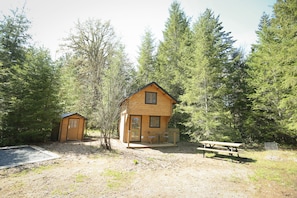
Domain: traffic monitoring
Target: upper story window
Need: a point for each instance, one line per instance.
(150, 97)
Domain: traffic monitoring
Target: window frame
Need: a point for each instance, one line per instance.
(152, 99)
(73, 123)
(151, 125)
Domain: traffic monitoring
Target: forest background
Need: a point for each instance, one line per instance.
(223, 94)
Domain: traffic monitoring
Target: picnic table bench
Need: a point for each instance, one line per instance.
(220, 147)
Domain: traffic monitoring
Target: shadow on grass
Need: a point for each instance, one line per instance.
(86, 147)
(90, 138)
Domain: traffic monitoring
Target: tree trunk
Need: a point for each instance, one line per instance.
(105, 141)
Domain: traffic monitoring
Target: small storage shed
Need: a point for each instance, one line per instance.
(145, 115)
(72, 127)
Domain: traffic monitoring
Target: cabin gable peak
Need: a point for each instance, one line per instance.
(158, 87)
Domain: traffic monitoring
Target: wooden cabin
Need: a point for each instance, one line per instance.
(72, 127)
(145, 115)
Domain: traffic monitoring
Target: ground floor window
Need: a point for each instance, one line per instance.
(154, 121)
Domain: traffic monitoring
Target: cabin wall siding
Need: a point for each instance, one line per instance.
(123, 126)
(135, 105)
(147, 131)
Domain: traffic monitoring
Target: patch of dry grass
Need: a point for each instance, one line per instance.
(274, 168)
(116, 179)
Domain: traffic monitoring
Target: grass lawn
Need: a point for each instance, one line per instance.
(274, 171)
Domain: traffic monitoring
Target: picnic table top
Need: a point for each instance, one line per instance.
(221, 143)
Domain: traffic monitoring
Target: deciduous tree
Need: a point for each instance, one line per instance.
(98, 60)
(90, 44)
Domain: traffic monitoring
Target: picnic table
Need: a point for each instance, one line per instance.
(220, 147)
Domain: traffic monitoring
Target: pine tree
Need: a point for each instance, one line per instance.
(146, 60)
(173, 52)
(205, 98)
(34, 105)
(70, 87)
(13, 42)
(174, 55)
(259, 76)
(273, 74)
(237, 91)
(40, 105)
(29, 85)
(284, 25)
(13, 38)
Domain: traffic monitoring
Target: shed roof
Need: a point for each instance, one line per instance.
(158, 86)
(65, 115)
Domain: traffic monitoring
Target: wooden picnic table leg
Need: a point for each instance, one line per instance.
(237, 152)
(203, 151)
(230, 149)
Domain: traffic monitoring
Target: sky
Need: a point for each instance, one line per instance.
(52, 20)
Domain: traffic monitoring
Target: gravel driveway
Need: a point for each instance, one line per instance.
(84, 170)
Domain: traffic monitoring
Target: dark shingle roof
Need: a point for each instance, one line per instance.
(65, 115)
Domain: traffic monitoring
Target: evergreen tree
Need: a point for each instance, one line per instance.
(34, 104)
(264, 125)
(70, 87)
(13, 38)
(28, 87)
(285, 26)
(273, 74)
(146, 60)
(40, 105)
(174, 55)
(13, 42)
(174, 52)
(237, 91)
(205, 98)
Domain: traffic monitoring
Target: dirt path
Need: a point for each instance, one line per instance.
(83, 170)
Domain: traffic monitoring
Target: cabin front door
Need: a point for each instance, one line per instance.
(72, 132)
(135, 128)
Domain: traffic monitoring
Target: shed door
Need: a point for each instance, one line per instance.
(72, 132)
(135, 128)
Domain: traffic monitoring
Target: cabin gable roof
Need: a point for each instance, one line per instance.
(65, 115)
(174, 101)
